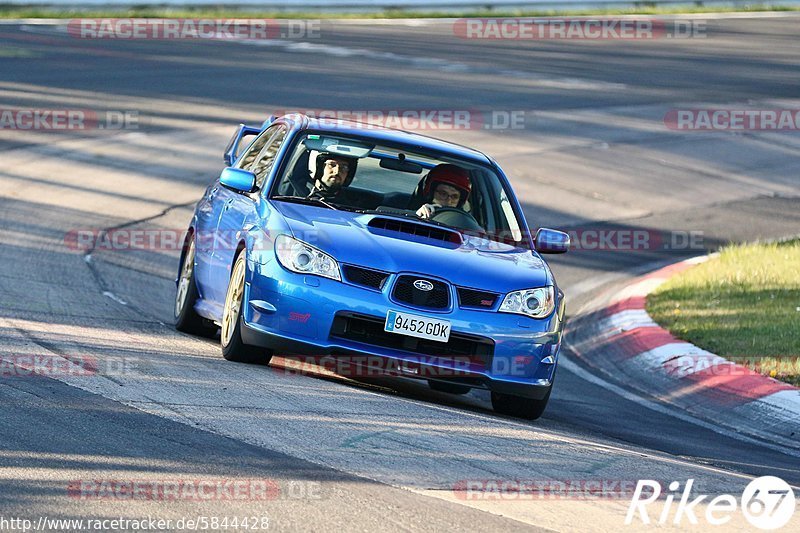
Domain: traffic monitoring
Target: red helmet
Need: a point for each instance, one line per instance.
(450, 175)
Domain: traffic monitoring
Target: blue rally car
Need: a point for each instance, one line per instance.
(331, 238)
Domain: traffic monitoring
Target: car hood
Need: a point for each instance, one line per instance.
(477, 262)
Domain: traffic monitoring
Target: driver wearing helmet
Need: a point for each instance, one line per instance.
(445, 186)
(334, 173)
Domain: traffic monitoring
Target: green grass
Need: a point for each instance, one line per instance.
(743, 305)
(8, 11)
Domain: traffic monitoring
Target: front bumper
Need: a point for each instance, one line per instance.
(294, 314)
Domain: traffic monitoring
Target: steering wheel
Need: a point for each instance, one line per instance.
(458, 218)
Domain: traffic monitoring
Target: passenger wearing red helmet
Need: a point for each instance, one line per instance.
(445, 185)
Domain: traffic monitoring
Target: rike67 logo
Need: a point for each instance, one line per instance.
(767, 503)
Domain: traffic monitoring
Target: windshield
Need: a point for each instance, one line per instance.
(358, 175)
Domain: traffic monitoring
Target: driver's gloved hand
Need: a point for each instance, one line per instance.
(427, 210)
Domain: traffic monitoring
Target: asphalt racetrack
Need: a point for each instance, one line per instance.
(591, 152)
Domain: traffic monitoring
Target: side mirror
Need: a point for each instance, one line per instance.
(238, 180)
(550, 241)
(235, 145)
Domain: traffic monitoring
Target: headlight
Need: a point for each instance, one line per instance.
(535, 303)
(303, 258)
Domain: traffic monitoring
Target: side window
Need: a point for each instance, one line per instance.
(253, 150)
(266, 156)
(256, 146)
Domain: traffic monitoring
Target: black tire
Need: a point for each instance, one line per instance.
(520, 407)
(450, 388)
(186, 319)
(233, 348)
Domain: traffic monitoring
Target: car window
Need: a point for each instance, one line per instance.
(257, 146)
(266, 156)
(395, 179)
(371, 176)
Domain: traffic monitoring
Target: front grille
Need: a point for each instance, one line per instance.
(436, 298)
(420, 230)
(475, 298)
(373, 279)
(369, 330)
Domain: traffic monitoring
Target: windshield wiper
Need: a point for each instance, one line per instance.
(306, 200)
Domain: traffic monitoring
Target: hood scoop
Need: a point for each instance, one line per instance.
(392, 227)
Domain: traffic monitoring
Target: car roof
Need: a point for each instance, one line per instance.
(383, 134)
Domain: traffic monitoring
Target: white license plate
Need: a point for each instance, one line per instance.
(417, 326)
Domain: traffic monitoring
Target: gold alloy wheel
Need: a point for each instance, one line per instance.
(233, 302)
(185, 279)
